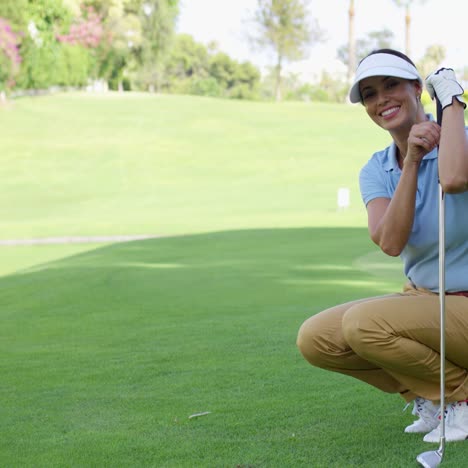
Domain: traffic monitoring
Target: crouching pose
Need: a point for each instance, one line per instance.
(392, 342)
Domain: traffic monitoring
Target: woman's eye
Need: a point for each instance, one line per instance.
(368, 95)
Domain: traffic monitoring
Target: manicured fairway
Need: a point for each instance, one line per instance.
(106, 354)
(107, 350)
(108, 165)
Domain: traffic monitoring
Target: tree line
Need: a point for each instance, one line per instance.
(132, 45)
(128, 44)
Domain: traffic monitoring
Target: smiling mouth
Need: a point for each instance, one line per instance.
(390, 111)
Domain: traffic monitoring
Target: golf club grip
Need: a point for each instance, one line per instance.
(439, 111)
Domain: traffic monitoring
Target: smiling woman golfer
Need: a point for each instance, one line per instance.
(392, 342)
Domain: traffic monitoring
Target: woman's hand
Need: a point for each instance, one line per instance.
(443, 84)
(423, 138)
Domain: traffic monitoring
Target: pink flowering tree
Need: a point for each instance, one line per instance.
(87, 30)
(10, 58)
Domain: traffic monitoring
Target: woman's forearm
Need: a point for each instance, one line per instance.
(394, 228)
(453, 150)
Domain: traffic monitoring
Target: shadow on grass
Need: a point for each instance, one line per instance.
(107, 353)
(308, 267)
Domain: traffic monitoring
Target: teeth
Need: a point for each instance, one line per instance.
(389, 111)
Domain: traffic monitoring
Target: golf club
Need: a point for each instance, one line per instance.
(434, 458)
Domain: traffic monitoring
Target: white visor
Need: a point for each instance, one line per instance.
(382, 64)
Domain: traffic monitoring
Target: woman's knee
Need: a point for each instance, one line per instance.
(305, 336)
(320, 338)
(359, 328)
(311, 341)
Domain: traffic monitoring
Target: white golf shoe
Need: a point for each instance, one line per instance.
(427, 414)
(456, 424)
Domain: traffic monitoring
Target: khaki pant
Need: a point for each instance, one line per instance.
(392, 342)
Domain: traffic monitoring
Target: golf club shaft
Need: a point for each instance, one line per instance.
(442, 312)
(441, 299)
(433, 458)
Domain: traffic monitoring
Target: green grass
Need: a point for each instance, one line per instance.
(106, 354)
(75, 164)
(106, 350)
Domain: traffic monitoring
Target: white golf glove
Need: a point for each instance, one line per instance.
(445, 86)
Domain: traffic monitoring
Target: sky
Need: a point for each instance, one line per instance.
(440, 22)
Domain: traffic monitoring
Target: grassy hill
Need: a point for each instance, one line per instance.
(90, 165)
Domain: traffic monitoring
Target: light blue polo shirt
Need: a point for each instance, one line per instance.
(379, 178)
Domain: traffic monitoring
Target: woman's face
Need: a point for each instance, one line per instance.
(392, 103)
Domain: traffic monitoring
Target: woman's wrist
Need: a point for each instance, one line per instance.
(409, 163)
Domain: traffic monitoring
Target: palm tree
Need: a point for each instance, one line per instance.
(406, 4)
(351, 42)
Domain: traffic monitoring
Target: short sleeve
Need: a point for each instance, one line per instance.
(372, 181)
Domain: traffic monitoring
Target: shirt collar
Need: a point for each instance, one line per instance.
(390, 162)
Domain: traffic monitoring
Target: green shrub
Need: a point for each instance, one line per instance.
(206, 87)
(243, 91)
(38, 69)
